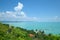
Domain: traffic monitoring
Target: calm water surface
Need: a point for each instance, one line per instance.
(48, 27)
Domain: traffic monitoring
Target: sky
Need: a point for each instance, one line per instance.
(30, 10)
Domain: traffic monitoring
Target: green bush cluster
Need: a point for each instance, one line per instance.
(17, 33)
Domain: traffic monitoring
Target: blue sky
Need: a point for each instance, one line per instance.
(30, 10)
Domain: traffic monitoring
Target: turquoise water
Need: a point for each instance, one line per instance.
(48, 27)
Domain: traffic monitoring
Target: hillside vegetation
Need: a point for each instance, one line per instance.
(16, 33)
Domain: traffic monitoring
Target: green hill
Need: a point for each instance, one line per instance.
(16, 33)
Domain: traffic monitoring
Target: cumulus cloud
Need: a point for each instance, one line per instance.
(23, 14)
(18, 7)
(17, 15)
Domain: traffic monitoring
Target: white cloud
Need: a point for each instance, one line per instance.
(17, 15)
(18, 7)
(23, 14)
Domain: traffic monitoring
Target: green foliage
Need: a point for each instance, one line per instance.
(17, 33)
